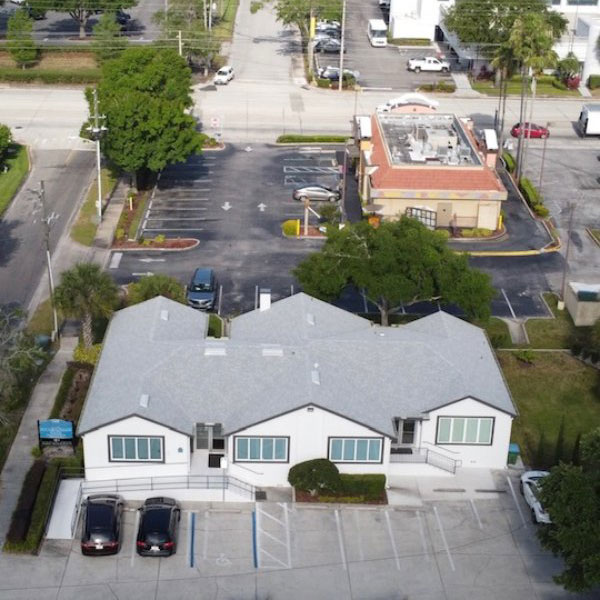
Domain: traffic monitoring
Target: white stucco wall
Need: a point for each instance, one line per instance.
(96, 457)
(308, 433)
(475, 455)
(416, 18)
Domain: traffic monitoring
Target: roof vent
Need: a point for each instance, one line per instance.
(215, 351)
(164, 315)
(310, 318)
(144, 399)
(264, 299)
(273, 351)
(316, 379)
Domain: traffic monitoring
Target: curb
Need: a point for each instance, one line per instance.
(155, 249)
(594, 239)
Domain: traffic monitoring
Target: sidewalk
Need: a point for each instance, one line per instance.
(19, 458)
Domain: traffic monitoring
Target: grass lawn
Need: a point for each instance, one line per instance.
(223, 30)
(595, 233)
(514, 88)
(84, 229)
(18, 168)
(497, 331)
(556, 385)
(215, 326)
(42, 321)
(551, 333)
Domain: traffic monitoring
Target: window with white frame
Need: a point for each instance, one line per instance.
(261, 449)
(465, 430)
(355, 449)
(136, 448)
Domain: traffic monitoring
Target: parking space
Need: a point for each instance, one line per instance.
(379, 67)
(474, 547)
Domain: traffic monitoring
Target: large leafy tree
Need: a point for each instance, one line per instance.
(107, 40)
(398, 263)
(298, 12)
(82, 10)
(571, 495)
(155, 285)
(19, 36)
(5, 142)
(86, 292)
(144, 94)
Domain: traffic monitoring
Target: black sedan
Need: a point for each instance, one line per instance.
(101, 531)
(157, 534)
(330, 46)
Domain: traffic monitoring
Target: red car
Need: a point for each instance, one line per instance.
(531, 130)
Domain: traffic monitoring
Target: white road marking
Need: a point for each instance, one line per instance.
(173, 229)
(422, 532)
(512, 491)
(149, 260)
(205, 539)
(115, 260)
(227, 206)
(261, 207)
(476, 513)
(392, 540)
(173, 209)
(439, 522)
(341, 539)
(286, 519)
(512, 312)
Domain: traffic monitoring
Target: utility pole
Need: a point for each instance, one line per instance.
(543, 159)
(47, 220)
(97, 130)
(180, 44)
(566, 265)
(210, 5)
(341, 80)
(343, 200)
(311, 35)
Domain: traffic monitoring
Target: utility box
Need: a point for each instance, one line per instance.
(583, 303)
(513, 453)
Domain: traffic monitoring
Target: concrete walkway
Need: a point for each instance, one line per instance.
(19, 458)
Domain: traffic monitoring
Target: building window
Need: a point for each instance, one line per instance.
(133, 448)
(261, 449)
(465, 430)
(427, 217)
(355, 449)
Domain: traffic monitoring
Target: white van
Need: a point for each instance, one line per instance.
(377, 32)
(589, 119)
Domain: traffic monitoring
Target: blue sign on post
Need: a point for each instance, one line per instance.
(56, 429)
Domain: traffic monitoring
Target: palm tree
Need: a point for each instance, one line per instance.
(531, 40)
(86, 292)
(504, 63)
(155, 285)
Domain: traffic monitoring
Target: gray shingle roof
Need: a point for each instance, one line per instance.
(367, 373)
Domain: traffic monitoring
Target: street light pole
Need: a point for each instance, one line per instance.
(342, 44)
(566, 265)
(97, 131)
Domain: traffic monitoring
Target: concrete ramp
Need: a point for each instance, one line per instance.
(65, 505)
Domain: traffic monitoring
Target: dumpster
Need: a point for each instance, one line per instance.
(513, 453)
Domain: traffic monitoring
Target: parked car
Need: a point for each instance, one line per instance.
(201, 292)
(530, 488)
(316, 193)
(404, 100)
(101, 529)
(530, 130)
(157, 533)
(427, 63)
(326, 23)
(122, 18)
(328, 32)
(328, 46)
(224, 75)
(333, 73)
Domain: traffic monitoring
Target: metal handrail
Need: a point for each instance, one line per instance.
(426, 455)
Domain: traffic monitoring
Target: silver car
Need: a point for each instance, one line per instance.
(316, 193)
(530, 488)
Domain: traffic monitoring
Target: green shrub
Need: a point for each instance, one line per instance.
(529, 192)
(369, 486)
(541, 211)
(525, 356)
(330, 213)
(36, 452)
(292, 138)
(255, 6)
(509, 161)
(89, 355)
(159, 239)
(476, 232)
(119, 234)
(594, 82)
(63, 392)
(443, 233)
(443, 86)
(323, 82)
(22, 515)
(559, 85)
(290, 227)
(318, 476)
(546, 79)
(49, 76)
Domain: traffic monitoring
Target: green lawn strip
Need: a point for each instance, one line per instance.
(215, 326)
(595, 233)
(555, 385)
(223, 30)
(409, 41)
(497, 332)
(36, 74)
(42, 320)
(84, 229)
(18, 168)
(514, 88)
(293, 138)
(138, 213)
(551, 333)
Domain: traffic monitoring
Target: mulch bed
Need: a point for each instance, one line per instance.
(302, 496)
(178, 243)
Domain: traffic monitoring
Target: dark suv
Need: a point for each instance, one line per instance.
(157, 534)
(201, 292)
(101, 531)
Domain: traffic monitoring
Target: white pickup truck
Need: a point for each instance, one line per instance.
(428, 63)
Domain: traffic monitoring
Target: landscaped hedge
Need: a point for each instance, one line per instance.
(509, 161)
(559, 85)
(368, 487)
(49, 76)
(63, 391)
(440, 86)
(22, 515)
(533, 198)
(290, 227)
(311, 139)
(323, 82)
(594, 82)
(476, 232)
(316, 476)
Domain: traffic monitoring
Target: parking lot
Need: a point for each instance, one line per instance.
(466, 548)
(379, 67)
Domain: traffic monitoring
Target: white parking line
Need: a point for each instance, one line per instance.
(286, 518)
(134, 540)
(115, 260)
(422, 532)
(392, 540)
(512, 312)
(512, 491)
(173, 229)
(476, 513)
(205, 537)
(173, 209)
(439, 522)
(341, 539)
(176, 219)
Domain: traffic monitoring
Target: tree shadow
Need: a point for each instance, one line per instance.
(8, 242)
